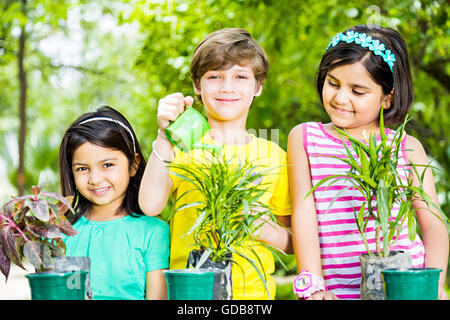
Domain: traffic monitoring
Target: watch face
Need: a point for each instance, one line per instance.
(303, 282)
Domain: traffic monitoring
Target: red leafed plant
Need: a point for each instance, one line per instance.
(32, 228)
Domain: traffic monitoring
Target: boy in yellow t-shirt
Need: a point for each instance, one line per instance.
(228, 70)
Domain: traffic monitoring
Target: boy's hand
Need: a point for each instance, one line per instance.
(170, 107)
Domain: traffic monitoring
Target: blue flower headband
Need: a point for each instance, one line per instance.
(365, 41)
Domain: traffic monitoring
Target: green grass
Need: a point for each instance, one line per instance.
(284, 292)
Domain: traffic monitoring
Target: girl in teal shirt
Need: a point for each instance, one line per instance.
(101, 165)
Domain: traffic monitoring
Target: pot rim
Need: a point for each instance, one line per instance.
(191, 271)
(410, 270)
(53, 274)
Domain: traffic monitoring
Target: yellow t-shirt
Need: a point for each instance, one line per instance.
(259, 152)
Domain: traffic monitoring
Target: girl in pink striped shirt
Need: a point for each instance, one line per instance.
(363, 70)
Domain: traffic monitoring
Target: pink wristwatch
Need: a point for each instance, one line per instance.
(306, 284)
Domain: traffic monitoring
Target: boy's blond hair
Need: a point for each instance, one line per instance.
(227, 47)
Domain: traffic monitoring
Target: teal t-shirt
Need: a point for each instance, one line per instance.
(121, 252)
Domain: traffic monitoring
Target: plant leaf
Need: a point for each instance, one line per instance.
(9, 245)
(35, 190)
(411, 225)
(45, 230)
(5, 263)
(197, 222)
(260, 274)
(66, 227)
(64, 203)
(334, 179)
(366, 179)
(203, 258)
(31, 251)
(188, 205)
(40, 209)
(361, 215)
(383, 210)
(38, 254)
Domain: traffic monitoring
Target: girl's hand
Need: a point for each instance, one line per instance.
(170, 107)
(442, 294)
(323, 295)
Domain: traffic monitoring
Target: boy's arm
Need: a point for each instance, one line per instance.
(279, 235)
(156, 184)
(434, 232)
(276, 236)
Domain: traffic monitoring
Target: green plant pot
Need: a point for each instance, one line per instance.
(223, 288)
(187, 284)
(411, 283)
(68, 264)
(57, 285)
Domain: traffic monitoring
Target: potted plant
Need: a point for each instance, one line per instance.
(373, 171)
(227, 215)
(32, 228)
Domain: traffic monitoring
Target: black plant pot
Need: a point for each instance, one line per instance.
(222, 280)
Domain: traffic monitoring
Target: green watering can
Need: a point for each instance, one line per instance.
(187, 131)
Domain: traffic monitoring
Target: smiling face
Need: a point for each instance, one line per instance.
(352, 99)
(101, 176)
(228, 94)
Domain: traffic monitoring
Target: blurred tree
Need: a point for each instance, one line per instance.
(19, 19)
(294, 35)
(73, 65)
(80, 54)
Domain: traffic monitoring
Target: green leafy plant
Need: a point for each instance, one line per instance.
(374, 173)
(230, 213)
(32, 228)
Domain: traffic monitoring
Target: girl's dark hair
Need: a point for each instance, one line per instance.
(106, 134)
(348, 53)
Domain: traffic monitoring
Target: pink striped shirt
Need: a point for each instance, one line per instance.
(340, 241)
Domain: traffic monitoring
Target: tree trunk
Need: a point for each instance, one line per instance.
(22, 107)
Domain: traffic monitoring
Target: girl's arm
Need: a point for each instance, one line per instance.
(156, 184)
(305, 232)
(155, 285)
(434, 232)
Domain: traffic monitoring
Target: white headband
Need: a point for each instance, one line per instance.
(115, 121)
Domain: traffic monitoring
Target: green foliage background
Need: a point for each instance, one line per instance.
(81, 54)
